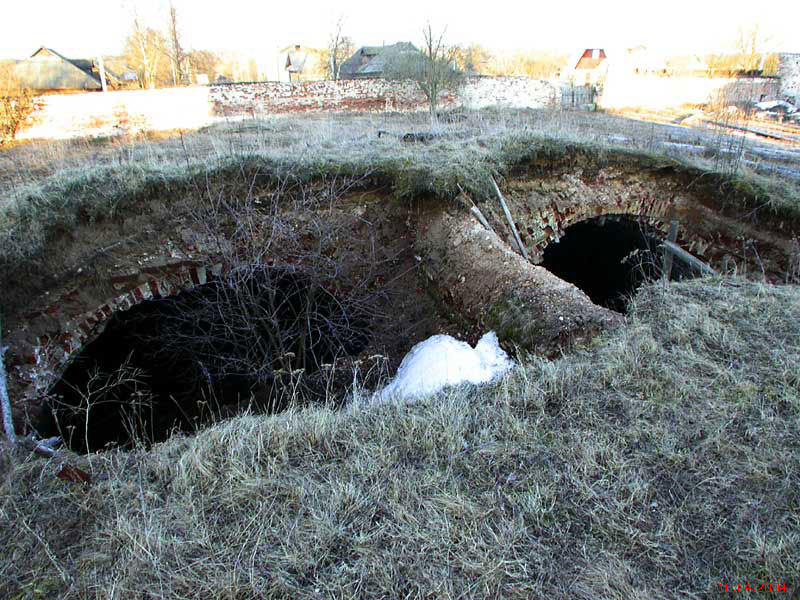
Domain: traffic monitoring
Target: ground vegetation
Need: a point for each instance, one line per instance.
(660, 461)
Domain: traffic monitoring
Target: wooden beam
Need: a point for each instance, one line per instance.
(692, 261)
(672, 237)
(8, 418)
(479, 215)
(510, 220)
(476, 211)
(102, 68)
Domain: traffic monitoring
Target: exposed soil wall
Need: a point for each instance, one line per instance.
(97, 269)
(144, 264)
(477, 275)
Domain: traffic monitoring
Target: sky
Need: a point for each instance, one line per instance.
(85, 28)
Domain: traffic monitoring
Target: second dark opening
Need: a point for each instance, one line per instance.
(609, 258)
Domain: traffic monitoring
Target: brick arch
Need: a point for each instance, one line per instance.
(89, 325)
(44, 357)
(547, 224)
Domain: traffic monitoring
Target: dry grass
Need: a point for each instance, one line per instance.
(661, 462)
(46, 189)
(658, 464)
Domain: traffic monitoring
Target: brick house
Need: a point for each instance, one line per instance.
(591, 67)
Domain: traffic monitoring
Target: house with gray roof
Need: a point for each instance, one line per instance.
(46, 69)
(370, 61)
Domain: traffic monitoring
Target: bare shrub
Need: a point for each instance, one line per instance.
(292, 293)
(125, 388)
(291, 300)
(16, 105)
(731, 110)
(433, 69)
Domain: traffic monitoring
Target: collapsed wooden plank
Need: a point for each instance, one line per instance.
(694, 262)
(510, 220)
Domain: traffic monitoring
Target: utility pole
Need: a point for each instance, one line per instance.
(102, 69)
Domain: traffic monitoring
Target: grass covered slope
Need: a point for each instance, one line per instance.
(660, 463)
(47, 190)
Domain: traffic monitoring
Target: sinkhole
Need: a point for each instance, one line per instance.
(609, 258)
(172, 364)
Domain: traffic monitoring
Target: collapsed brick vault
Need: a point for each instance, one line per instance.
(44, 356)
(471, 273)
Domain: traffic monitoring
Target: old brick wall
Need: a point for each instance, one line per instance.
(748, 90)
(67, 318)
(513, 92)
(374, 95)
(789, 72)
(120, 112)
(270, 97)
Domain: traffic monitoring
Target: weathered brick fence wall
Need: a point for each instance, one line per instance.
(98, 114)
(363, 95)
(121, 112)
(131, 111)
(374, 95)
(789, 72)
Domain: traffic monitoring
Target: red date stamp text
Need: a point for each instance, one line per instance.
(759, 587)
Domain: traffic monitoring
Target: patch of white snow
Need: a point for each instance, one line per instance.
(772, 105)
(442, 360)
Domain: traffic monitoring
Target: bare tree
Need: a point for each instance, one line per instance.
(754, 54)
(340, 47)
(751, 45)
(144, 49)
(177, 55)
(203, 61)
(473, 58)
(434, 68)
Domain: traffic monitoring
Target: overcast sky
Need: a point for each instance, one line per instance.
(83, 28)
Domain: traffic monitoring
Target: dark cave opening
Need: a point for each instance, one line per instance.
(609, 258)
(173, 364)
